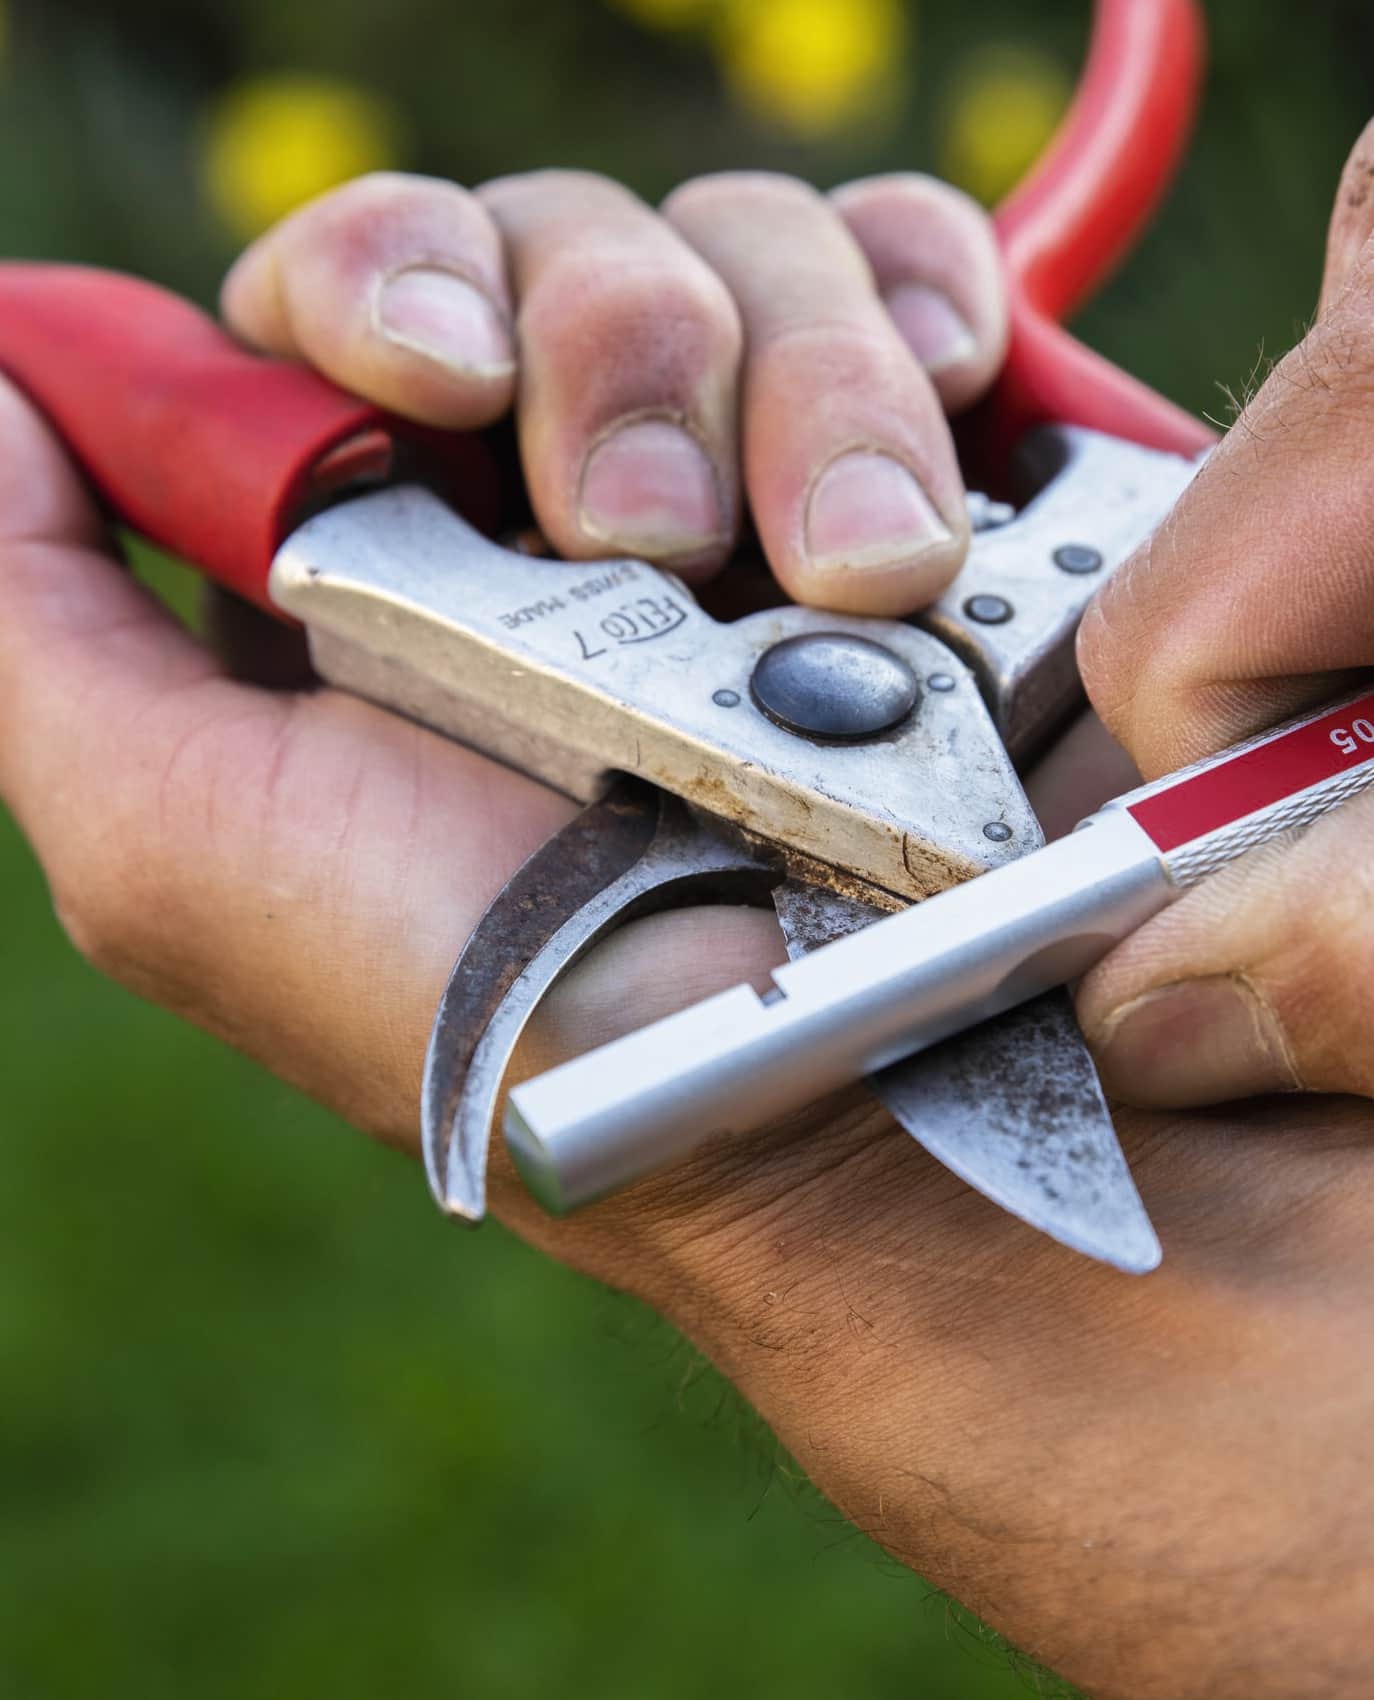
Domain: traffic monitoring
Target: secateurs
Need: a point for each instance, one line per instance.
(840, 768)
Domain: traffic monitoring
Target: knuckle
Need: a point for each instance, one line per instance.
(741, 189)
(565, 180)
(1355, 193)
(384, 189)
(633, 308)
(381, 195)
(565, 187)
(907, 191)
(387, 219)
(840, 354)
(379, 185)
(1127, 664)
(1097, 659)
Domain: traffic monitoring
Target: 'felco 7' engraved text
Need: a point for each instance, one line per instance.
(640, 621)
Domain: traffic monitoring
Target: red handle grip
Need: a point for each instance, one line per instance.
(1079, 211)
(202, 447)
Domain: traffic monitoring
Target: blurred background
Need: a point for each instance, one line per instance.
(267, 1425)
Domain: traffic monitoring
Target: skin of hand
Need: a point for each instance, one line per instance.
(1254, 601)
(664, 359)
(1133, 1479)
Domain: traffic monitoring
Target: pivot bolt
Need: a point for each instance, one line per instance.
(831, 685)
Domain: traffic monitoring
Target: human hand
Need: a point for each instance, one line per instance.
(1076, 1455)
(1255, 600)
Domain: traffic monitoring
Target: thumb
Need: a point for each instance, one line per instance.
(1256, 981)
(1352, 221)
(1252, 600)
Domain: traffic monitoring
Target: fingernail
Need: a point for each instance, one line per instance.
(934, 330)
(445, 318)
(1198, 1042)
(649, 489)
(866, 510)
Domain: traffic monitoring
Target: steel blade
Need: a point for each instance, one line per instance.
(555, 884)
(1013, 1106)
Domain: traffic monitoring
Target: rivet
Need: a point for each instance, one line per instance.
(988, 610)
(1077, 558)
(941, 681)
(725, 699)
(984, 514)
(998, 831)
(834, 685)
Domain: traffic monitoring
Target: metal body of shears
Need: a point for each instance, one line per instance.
(842, 768)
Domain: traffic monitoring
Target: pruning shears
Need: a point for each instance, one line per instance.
(842, 769)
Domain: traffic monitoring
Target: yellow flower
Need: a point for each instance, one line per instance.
(1003, 108)
(277, 141)
(667, 14)
(813, 66)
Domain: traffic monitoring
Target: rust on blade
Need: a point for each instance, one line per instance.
(1015, 1108)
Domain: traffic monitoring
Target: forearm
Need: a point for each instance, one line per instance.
(1121, 1475)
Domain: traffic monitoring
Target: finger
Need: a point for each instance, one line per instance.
(1352, 220)
(938, 268)
(1257, 980)
(848, 461)
(395, 288)
(1254, 598)
(629, 358)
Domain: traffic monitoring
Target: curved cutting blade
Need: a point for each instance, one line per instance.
(636, 851)
(563, 875)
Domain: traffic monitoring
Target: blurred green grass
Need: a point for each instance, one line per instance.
(269, 1426)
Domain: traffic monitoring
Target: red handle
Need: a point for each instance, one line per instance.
(202, 447)
(1079, 211)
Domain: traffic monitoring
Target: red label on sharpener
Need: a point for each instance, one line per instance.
(1240, 785)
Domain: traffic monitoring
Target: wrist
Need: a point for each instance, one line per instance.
(1059, 1445)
